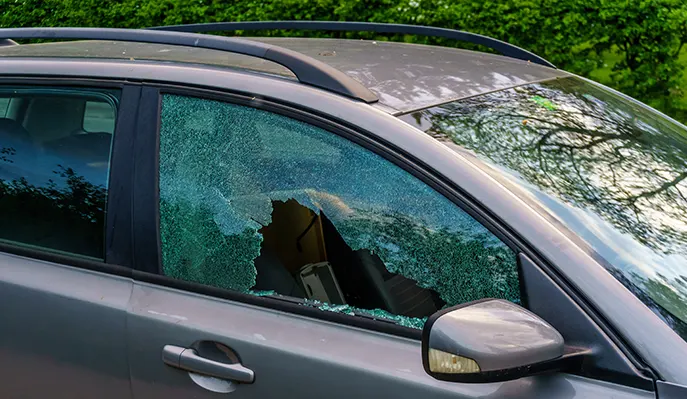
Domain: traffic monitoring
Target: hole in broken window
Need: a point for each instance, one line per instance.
(304, 255)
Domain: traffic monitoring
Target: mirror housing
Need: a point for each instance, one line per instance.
(491, 340)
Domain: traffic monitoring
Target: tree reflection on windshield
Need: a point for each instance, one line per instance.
(613, 171)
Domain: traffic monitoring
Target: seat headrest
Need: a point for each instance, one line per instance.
(13, 130)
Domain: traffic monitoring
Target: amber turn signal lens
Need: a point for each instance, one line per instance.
(442, 362)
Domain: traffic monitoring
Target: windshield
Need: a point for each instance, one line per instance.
(609, 169)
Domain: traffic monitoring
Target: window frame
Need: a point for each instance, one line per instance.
(148, 262)
(117, 242)
(147, 202)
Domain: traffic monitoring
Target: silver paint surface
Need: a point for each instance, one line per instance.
(496, 334)
(408, 76)
(297, 356)
(63, 331)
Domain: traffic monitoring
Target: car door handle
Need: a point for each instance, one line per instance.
(189, 360)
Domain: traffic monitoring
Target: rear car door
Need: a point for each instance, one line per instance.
(64, 285)
(276, 258)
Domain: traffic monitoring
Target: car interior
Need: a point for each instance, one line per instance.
(76, 125)
(47, 135)
(303, 256)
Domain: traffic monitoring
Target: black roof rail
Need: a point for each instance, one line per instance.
(503, 48)
(307, 70)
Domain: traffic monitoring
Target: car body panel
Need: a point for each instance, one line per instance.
(63, 330)
(667, 390)
(407, 76)
(404, 76)
(646, 334)
(297, 356)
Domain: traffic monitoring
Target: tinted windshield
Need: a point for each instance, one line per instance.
(609, 169)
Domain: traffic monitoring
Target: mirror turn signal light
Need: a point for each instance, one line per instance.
(443, 362)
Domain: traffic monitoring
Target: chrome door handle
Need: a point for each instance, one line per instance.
(189, 360)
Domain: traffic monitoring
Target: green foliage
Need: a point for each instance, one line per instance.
(649, 35)
(573, 34)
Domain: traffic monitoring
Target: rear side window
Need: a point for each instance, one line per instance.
(53, 173)
(263, 204)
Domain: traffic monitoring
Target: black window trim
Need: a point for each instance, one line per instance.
(146, 195)
(115, 247)
(396, 156)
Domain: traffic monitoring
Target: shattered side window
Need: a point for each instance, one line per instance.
(260, 203)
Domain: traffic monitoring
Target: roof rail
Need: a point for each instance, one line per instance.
(503, 48)
(307, 70)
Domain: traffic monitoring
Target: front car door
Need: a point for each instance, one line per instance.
(63, 299)
(292, 260)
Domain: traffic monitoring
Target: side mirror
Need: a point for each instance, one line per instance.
(491, 340)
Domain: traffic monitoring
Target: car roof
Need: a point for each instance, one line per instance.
(408, 77)
(405, 77)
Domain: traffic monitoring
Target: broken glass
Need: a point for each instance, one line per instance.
(222, 165)
(375, 314)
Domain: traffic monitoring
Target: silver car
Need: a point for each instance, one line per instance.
(195, 216)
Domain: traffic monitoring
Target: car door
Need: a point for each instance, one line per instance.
(63, 290)
(276, 258)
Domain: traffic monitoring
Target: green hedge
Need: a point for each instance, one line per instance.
(637, 42)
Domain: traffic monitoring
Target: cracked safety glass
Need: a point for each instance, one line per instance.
(260, 203)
